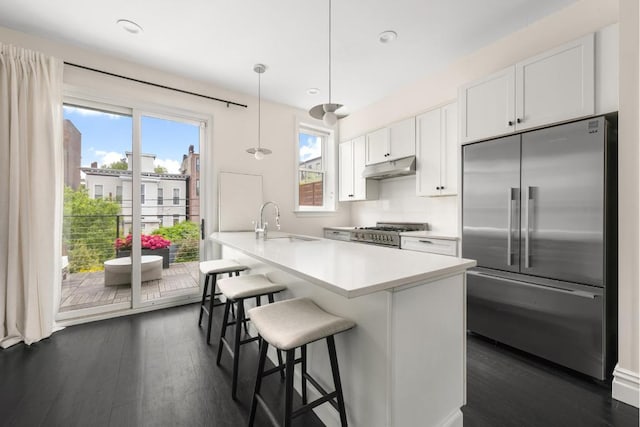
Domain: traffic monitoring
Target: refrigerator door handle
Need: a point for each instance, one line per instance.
(527, 219)
(509, 225)
(582, 294)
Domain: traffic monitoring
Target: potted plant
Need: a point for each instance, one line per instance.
(151, 245)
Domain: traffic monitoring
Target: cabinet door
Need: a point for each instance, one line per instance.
(345, 171)
(449, 159)
(487, 106)
(428, 153)
(377, 146)
(557, 85)
(359, 183)
(402, 139)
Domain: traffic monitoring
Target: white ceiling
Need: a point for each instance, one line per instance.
(219, 41)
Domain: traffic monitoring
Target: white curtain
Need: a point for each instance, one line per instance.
(30, 196)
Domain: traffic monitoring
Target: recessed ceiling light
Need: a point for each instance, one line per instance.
(387, 36)
(129, 26)
(313, 91)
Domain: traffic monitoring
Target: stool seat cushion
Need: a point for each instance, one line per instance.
(248, 286)
(294, 322)
(217, 266)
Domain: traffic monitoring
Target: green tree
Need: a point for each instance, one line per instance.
(184, 235)
(120, 165)
(89, 229)
(160, 169)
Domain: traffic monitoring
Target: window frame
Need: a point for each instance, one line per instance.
(329, 159)
(176, 199)
(160, 196)
(95, 191)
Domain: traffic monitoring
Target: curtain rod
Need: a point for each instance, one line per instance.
(224, 101)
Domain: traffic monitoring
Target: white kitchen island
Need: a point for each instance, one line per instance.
(403, 365)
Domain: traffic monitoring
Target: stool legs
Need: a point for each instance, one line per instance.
(288, 393)
(264, 346)
(331, 346)
(289, 365)
(204, 298)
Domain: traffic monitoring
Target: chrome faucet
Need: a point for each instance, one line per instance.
(261, 225)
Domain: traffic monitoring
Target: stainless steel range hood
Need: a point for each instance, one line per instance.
(390, 169)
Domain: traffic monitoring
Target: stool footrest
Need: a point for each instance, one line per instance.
(279, 368)
(326, 397)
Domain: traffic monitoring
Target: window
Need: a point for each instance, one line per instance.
(160, 197)
(314, 158)
(97, 191)
(176, 196)
(198, 164)
(176, 219)
(197, 187)
(142, 193)
(119, 194)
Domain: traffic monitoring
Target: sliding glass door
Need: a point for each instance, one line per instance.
(132, 209)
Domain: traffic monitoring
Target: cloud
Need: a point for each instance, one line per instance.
(172, 166)
(311, 150)
(108, 157)
(87, 112)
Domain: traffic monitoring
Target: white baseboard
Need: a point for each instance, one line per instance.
(626, 386)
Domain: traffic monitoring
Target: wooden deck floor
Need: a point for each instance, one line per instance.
(85, 290)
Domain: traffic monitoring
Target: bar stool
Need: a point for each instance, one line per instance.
(287, 325)
(211, 269)
(236, 290)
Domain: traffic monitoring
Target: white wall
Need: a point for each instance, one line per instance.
(234, 128)
(397, 201)
(626, 381)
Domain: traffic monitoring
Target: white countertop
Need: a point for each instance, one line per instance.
(346, 268)
(428, 235)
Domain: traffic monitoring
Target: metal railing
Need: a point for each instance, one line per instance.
(89, 240)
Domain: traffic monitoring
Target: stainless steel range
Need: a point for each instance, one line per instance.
(385, 233)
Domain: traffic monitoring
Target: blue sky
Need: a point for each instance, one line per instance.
(310, 146)
(106, 137)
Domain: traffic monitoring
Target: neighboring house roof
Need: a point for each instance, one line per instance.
(120, 172)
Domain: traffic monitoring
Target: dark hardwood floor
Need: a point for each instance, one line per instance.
(506, 387)
(154, 369)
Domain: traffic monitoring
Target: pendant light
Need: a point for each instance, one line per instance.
(327, 112)
(259, 152)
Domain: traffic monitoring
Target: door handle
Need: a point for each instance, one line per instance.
(582, 294)
(509, 225)
(527, 226)
(426, 241)
(202, 229)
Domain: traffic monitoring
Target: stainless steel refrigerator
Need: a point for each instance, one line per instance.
(539, 215)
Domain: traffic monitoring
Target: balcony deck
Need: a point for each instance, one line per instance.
(86, 290)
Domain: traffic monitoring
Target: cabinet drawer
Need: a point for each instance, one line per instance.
(426, 244)
(337, 235)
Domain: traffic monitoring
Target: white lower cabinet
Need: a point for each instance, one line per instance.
(351, 185)
(430, 245)
(437, 152)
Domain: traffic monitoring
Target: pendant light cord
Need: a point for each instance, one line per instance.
(259, 109)
(329, 51)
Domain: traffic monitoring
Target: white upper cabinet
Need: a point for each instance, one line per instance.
(487, 106)
(402, 139)
(437, 152)
(351, 185)
(393, 142)
(345, 171)
(377, 146)
(554, 86)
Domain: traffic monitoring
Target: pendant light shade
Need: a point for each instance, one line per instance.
(259, 152)
(327, 112)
